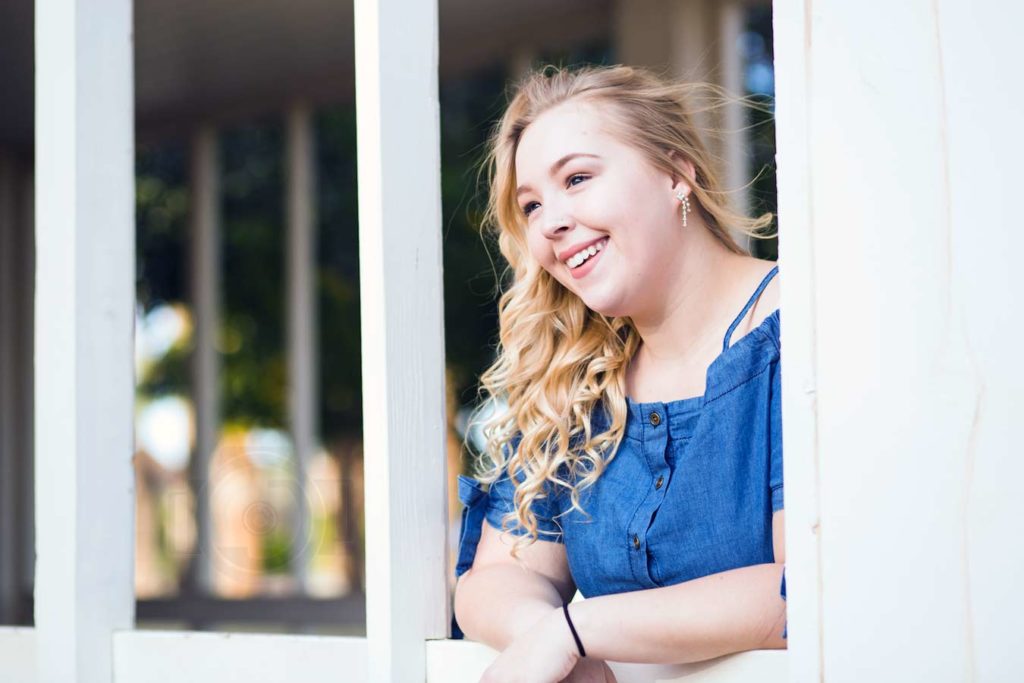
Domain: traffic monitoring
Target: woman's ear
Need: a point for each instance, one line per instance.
(686, 182)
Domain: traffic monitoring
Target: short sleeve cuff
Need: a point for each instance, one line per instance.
(491, 504)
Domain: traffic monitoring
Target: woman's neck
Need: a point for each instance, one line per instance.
(697, 295)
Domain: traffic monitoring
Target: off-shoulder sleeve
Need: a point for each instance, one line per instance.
(480, 503)
(775, 437)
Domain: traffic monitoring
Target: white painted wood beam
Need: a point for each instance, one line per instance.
(18, 654)
(797, 286)
(464, 661)
(980, 281)
(897, 191)
(176, 656)
(402, 334)
(84, 317)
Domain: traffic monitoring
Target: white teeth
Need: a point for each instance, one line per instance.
(581, 256)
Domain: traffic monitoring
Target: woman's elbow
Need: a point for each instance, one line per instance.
(464, 603)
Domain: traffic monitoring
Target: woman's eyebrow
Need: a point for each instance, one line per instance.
(557, 165)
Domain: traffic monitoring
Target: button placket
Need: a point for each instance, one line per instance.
(654, 434)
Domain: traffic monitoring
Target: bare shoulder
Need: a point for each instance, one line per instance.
(753, 272)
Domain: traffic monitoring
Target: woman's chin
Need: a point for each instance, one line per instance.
(610, 308)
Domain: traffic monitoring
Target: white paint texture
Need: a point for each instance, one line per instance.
(173, 657)
(913, 312)
(84, 315)
(18, 654)
(463, 661)
(799, 340)
(979, 67)
(402, 331)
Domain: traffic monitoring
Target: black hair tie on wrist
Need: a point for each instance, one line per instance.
(579, 645)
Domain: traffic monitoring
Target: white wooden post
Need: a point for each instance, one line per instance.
(204, 255)
(898, 170)
(799, 341)
(402, 334)
(84, 314)
(302, 324)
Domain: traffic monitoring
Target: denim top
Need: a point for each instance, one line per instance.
(691, 489)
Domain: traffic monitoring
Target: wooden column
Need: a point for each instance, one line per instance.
(84, 317)
(402, 334)
(797, 276)
(898, 170)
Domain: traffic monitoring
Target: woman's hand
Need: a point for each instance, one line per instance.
(545, 654)
(590, 670)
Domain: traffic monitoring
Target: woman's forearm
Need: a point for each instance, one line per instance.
(733, 611)
(498, 602)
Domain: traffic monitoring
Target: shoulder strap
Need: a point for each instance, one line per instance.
(750, 302)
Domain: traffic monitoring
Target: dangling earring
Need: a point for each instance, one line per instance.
(686, 204)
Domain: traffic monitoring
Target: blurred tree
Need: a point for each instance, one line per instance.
(338, 274)
(161, 251)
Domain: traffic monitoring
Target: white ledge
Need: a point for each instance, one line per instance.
(464, 661)
(202, 657)
(18, 654)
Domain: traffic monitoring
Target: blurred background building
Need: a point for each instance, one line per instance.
(247, 326)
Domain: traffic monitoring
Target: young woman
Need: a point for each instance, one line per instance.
(639, 458)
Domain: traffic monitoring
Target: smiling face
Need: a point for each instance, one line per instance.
(581, 187)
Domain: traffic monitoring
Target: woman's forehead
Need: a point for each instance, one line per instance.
(568, 128)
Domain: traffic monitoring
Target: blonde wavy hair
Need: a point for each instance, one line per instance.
(556, 358)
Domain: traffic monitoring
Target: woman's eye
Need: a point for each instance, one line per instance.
(570, 181)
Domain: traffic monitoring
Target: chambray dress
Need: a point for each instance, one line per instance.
(690, 492)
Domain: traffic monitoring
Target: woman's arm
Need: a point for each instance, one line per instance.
(733, 611)
(497, 603)
(497, 599)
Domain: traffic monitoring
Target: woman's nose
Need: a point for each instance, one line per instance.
(557, 223)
